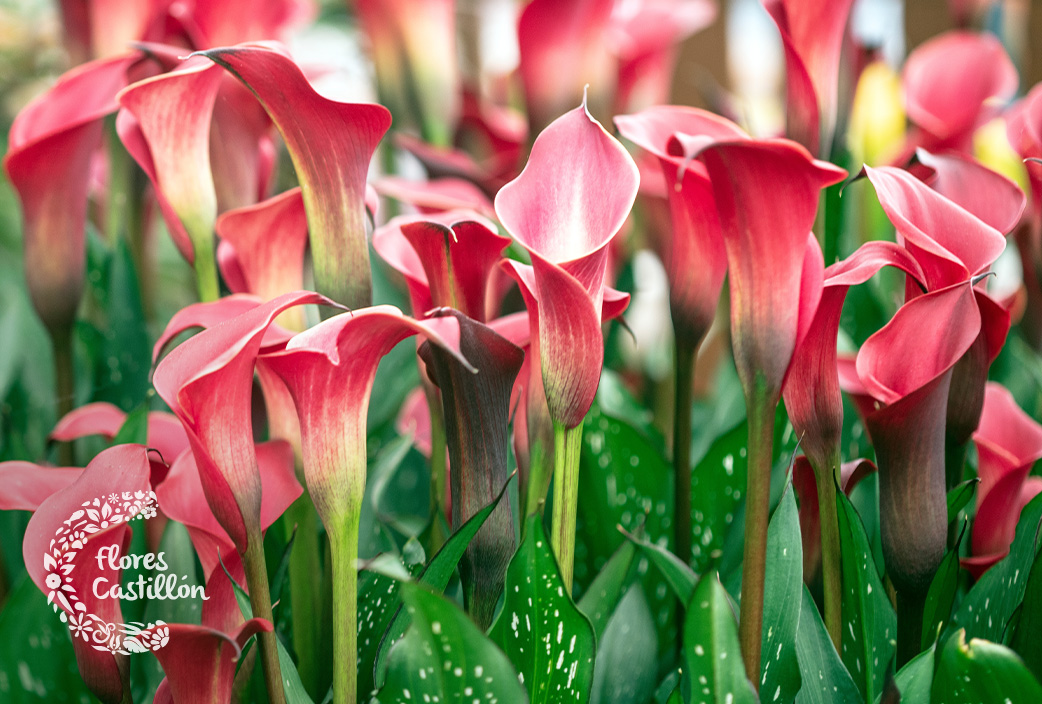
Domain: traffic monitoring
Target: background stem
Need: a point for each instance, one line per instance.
(260, 601)
(685, 372)
(909, 626)
(757, 515)
(567, 445)
(439, 471)
(64, 386)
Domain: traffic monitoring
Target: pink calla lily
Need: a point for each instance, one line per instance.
(330, 144)
(120, 469)
(48, 161)
(812, 34)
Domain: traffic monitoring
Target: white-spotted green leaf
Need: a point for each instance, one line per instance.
(941, 596)
(1025, 638)
(825, 680)
(783, 588)
(982, 671)
(601, 597)
(713, 671)
(626, 664)
(990, 605)
(869, 621)
(913, 681)
(550, 641)
(443, 657)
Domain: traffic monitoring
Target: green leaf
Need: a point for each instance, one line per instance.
(825, 679)
(990, 604)
(600, 599)
(678, 576)
(960, 496)
(941, 596)
(982, 671)
(626, 664)
(37, 662)
(435, 575)
(915, 678)
(135, 429)
(625, 481)
(869, 621)
(717, 485)
(783, 581)
(714, 670)
(1025, 638)
(550, 641)
(445, 658)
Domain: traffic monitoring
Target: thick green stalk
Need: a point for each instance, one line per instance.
(757, 514)
(909, 626)
(304, 588)
(260, 602)
(64, 386)
(539, 473)
(685, 373)
(344, 545)
(567, 444)
(831, 567)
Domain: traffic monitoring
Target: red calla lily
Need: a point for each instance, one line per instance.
(172, 112)
(907, 369)
(988, 195)
(329, 370)
(812, 34)
(552, 35)
(48, 161)
(124, 468)
(27, 485)
(646, 36)
(1009, 442)
(436, 196)
(330, 144)
(951, 84)
(268, 241)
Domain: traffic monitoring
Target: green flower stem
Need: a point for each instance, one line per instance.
(910, 609)
(344, 546)
(757, 514)
(539, 472)
(831, 567)
(64, 385)
(260, 602)
(439, 471)
(567, 444)
(205, 265)
(304, 588)
(685, 373)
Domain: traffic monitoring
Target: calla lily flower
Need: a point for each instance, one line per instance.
(1009, 442)
(173, 113)
(477, 414)
(812, 34)
(436, 196)
(413, 45)
(987, 194)
(120, 469)
(766, 194)
(219, 363)
(165, 433)
(446, 258)
(647, 36)
(330, 144)
(1024, 131)
(907, 368)
(329, 370)
(695, 256)
(48, 161)
(565, 208)
(551, 35)
(954, 83)
(266, 242)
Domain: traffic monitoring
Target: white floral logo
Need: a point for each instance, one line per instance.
(69, 540)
